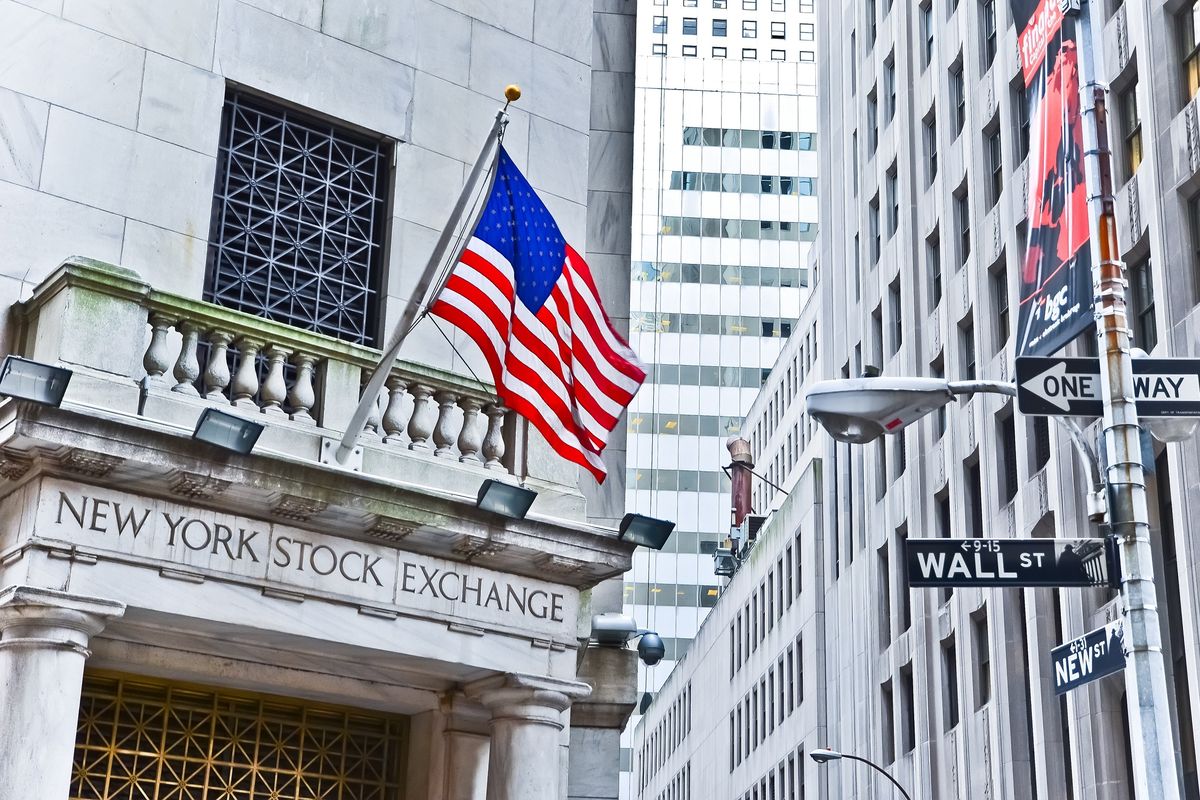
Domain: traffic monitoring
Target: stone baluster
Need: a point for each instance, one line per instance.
(424, 417)
(446, 431)
(470, 439)
(374, 417)
(187, 366)
(274, 388)
(301, 397)
(396, 416)
(245, 381)
(158, 357)
(216, 374)
(493, 441)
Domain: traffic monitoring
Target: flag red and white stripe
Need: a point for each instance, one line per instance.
(563, 367)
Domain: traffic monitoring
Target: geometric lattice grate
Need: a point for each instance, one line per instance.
(298, 221)
(157, 741)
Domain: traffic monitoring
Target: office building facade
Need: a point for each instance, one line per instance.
(724, 215)
(214, 212)
(924, 157)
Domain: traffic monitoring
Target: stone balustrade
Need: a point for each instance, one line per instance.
(222, 357)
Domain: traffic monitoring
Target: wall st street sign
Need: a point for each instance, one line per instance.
(1090, 657)
(1009, 562)
(1163, 387)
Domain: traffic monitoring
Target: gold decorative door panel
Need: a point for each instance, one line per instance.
(141, 739)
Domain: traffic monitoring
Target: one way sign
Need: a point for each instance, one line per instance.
(1163, 387)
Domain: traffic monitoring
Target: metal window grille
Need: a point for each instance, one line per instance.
(298, 221)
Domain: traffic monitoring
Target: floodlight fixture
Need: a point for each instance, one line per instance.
(505, 499)
(646, 531)
(44, 384)
(227, 431)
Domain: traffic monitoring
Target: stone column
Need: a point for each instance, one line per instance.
(526, 722)
(467, 748)
(44, 637)
(596, 723)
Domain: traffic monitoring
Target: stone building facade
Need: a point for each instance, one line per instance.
(220, 204)
(923, 160)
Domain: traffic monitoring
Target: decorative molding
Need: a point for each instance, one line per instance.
(1193, 136)
(13, 467)
(301, 509)
(470, 547)
(84, 462)
(195, 485)
(559, 565)
(1122, 27)
(1135, 209)
(389, 529)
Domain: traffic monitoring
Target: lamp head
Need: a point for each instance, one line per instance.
(824, 754)
(860, 410)
(613, 629)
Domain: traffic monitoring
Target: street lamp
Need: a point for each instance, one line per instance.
(824, 755)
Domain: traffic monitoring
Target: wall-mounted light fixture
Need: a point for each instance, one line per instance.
(44, 384)
(646, 531)
(227, 431)
(498, 497)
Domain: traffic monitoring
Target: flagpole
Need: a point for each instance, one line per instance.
(416, 299)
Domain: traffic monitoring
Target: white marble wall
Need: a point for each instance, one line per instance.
(110, 113)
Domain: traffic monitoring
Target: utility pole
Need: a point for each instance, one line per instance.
(1153, 743)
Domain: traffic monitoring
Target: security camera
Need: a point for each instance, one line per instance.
(651, 649)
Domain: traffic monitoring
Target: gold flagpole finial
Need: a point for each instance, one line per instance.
(512, 93)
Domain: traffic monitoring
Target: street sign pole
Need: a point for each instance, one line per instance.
(1154, 774)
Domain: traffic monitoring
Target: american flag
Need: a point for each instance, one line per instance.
(528, 301)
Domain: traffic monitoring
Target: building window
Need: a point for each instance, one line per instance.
(779, 5)
(808, 31)
(287, 178)
(873, 232)
(750, 5)
(887, 723)
(949, 685)
(778, 30)
(931, 149)
(995, 165)
(889, 89)
(872, 123)
(933, 257)
(895, 309)
(974, 498)
(749, 53)
(958, 97)
(658, 49)
(908, 717)
(983, 659)
(998, 277)
(1006, 433)
(778, 55)
(871, 22)
(1021, 113)
(1188, 22)
(853, 64)
(720, 26)
(689, 50)
(966, 336)
(987, 14)
(689, 26)
(1193, 218)
(720, 3)
(749, 29)
(807, 7)
(1131, 128)
(893, 200)
(1141, 305)
(659, 25)
(807, 57)
(719, 52)
(927, 34)
(962, 218)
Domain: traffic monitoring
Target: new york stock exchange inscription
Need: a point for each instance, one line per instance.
(191, 538)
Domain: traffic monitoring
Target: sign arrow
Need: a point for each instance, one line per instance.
(1162, 386)
(1058, 387)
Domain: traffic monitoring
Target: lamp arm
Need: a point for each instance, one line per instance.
(982, 387)
(1087, 457)
(881, 771)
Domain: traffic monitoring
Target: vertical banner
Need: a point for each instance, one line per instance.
(1056, 269)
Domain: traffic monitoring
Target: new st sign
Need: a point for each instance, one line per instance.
(1090, 657)
(1163, 387)
(1008, 562)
